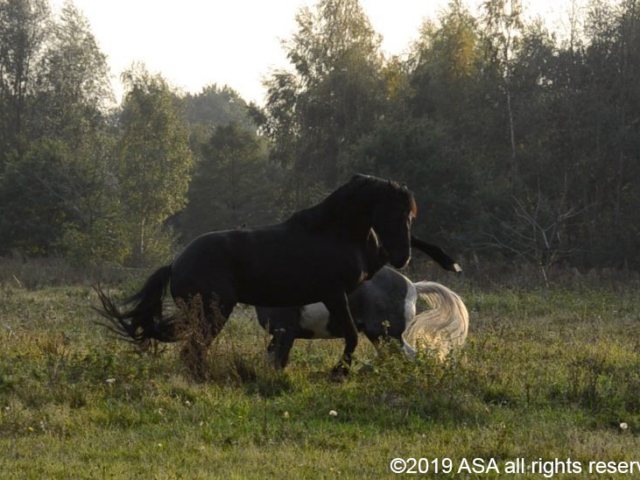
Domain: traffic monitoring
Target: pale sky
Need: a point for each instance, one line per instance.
(194, 43)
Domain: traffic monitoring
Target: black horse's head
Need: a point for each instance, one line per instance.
(366, 202)
(393, 212)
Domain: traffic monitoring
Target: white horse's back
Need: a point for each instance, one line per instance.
(442, 328)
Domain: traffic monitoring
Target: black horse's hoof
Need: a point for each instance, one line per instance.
(455, 268)
(340, 372)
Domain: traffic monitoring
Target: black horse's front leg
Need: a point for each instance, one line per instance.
(436, 253)
(340, 319)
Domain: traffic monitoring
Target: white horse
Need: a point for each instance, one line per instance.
(384, 306)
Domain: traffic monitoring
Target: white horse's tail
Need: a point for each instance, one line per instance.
(443, 327)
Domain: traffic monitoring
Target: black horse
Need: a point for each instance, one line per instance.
(320, 254)
(387, 297)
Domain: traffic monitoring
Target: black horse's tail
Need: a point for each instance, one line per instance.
(144, 322)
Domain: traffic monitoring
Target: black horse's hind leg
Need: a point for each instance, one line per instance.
(203, 330)
(279, 348)
(375, 341)
(340, 319)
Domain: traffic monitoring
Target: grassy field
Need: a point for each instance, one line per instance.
(547, 373)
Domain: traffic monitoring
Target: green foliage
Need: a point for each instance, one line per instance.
(22, 33)
(104, 243)
(154, 157)
(335, 94)
(58, 200)
(32, 208)
(73, 80)
(445, 65)
(232, 184)
(56, 190)
(215, 106)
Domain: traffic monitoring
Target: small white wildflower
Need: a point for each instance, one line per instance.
(159, 445)
(110, 380)
(187, 403)
(333, 413)
(624, 426)
(285, 414)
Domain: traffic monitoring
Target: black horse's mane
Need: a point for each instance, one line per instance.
(344, 201)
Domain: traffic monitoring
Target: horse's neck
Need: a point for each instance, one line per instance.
(352, 218)
(376, 257)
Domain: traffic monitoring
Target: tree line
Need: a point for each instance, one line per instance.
(518, 142)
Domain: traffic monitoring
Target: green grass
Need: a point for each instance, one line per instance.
(545, 374)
